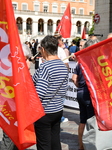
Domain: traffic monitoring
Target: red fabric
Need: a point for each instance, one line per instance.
(84, 34)
(96, 64)
(20, 105)
(64, 27)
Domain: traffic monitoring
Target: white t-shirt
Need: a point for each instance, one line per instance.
(62, 55)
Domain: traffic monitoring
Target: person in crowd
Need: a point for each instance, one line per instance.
(6, 143)
(30, 45)
(33, 43)
(66, 43)
(83, 96)
(63, 46)
(26, 42)
(81, 45)
(73, 48)
(50, 81)
(34, 47)
(63, 53)
(37, 57)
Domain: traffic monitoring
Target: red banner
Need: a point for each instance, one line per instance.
(64, 27)
(20, 105)
(96, 64)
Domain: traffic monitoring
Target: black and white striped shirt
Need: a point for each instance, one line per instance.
(51, 81)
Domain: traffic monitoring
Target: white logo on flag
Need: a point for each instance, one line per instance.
(66, 17)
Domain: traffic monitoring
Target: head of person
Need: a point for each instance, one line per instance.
(59, 38)
(49, 46)
(33, 40)
(81, 44)
(73, 42)
(91, 42)
(26, 42)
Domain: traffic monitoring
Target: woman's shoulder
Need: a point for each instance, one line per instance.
(51, 63)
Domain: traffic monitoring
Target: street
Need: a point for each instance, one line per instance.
(69, 130)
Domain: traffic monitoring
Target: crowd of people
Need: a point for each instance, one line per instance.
(50, 81)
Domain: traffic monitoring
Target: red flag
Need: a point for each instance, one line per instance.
(20, 106)
(84, 34)
(64, 27)
(96, 64)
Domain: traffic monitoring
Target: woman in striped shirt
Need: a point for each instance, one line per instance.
(50, 81)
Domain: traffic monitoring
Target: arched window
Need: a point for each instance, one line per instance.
(40, 26)
(87, 25)
(50, 27)
(29, 26)
(78, 24)
(19, 23)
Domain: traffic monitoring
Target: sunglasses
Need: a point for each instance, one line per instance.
(40, 47)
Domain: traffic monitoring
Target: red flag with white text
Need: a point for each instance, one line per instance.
(96, 64)
(64, 26)
(20, 105)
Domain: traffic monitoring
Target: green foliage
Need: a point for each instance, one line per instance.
(91, 31)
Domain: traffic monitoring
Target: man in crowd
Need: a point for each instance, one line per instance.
(83, 95)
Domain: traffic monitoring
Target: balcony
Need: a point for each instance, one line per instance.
(50, 14)
(29, 12)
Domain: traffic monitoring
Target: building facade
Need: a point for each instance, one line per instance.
(104, 10)
(37, 18)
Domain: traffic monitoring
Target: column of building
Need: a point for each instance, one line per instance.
(45, 28)
(35, 28)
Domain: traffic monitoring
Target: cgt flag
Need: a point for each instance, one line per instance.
(20, 106)
(96, 64)
(64, 27)
(84, 34)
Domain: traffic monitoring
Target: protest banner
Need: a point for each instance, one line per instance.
(71, 94)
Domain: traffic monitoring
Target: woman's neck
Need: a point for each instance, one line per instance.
(51, 57)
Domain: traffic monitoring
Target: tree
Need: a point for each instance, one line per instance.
(91, 31)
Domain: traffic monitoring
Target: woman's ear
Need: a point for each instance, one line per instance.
(42, 49)
(43, 52)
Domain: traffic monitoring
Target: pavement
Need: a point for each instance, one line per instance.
(69, 129)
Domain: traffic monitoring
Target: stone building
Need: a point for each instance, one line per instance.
(37, 18)
(104, 10)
